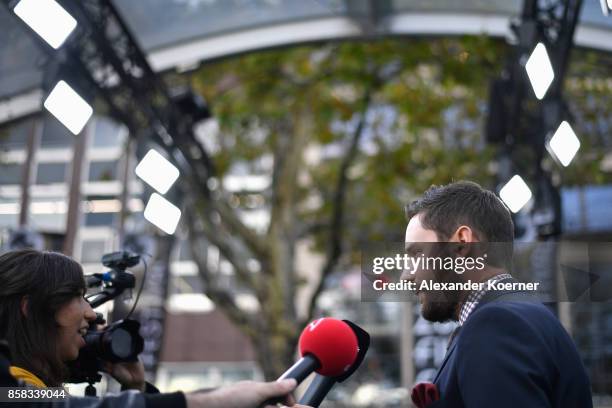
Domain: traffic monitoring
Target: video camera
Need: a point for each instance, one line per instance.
(121, 340)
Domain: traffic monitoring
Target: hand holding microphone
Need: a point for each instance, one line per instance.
(245, 394)
(328, 347)
(321, 385)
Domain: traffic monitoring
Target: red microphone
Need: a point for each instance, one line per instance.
(328, 346)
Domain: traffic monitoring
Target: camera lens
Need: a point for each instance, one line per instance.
(121, 343)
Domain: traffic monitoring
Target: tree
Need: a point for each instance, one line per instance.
(348, 133)
(351, 130)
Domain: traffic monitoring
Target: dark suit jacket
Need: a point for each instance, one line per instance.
(512, 352)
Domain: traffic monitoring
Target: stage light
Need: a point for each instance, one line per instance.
(606, 7)
(68, 107)
(48, 19)
(162, 213)
(515, 193)
(540, 70)
(564, 144)
(157, 172)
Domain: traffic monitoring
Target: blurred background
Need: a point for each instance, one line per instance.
(252, 148)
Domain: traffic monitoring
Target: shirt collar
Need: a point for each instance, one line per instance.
(475, 296)
(27, 377)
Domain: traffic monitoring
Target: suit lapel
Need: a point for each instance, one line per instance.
(451, 349)
(488, 297)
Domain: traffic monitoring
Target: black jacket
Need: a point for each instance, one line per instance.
(128, 399)
(512, 352)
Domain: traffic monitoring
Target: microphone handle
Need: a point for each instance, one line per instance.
(299, 371)
(317, 391)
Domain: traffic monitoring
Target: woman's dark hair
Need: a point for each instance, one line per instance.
(48, 281)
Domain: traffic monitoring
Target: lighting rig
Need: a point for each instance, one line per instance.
(92, 52)
(527, 113)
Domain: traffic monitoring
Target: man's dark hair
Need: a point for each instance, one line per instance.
(444, 208)
(48, 281)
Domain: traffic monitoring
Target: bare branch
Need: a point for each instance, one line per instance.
(334, 248)
(222, 298)
(255, 242)
(225, 243)
(311, 228)
(202, 168)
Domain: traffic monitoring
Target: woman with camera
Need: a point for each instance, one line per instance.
(44, 316)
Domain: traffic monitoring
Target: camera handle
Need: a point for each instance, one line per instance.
(115, 282)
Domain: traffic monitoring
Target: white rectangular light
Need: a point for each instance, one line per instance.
(48, 19)
(157, 172)
(162, 213)
(515, 193)
(606, 6)
(564, 144)
(540, 70)
(68, 107)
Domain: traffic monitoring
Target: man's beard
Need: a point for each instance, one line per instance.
(439, 311)
(441, 306)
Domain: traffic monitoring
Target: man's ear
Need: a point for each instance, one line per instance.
(463, 235)
(24, 306)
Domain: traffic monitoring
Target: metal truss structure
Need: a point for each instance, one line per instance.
(103, 60)
(517, 121)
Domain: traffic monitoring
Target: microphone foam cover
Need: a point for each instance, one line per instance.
(333, 343)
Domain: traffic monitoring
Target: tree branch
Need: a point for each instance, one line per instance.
(202, 168)
(311, 228)
(225, 243)
(281, 234)
(255, 242)
(334, 247)
(222, 298)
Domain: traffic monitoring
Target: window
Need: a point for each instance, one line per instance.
(10, 173)
(208, 377)
(15, 136)
(100, 219)
(49, 173)
(235, 374)
(103, 171)
(92, 251)
(186, 284)
(54, 134)
(184, 250)
(9, 215)
(107, 133)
